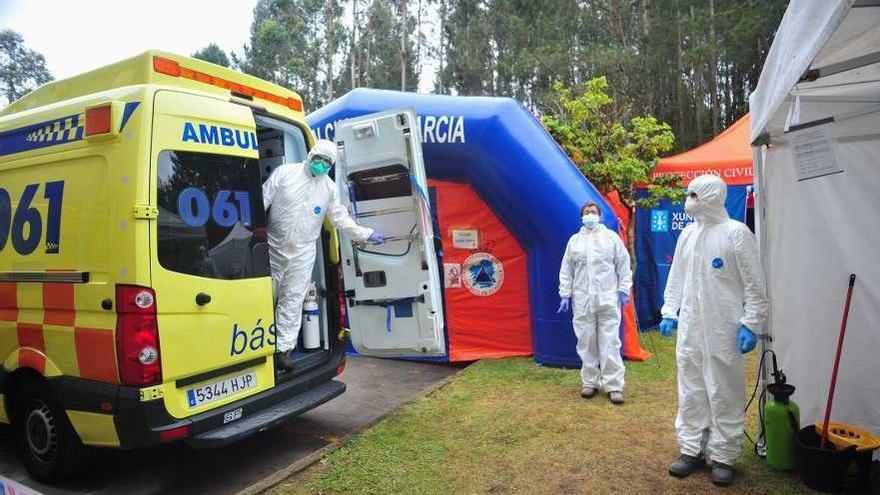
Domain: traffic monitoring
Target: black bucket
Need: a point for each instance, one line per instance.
(831, 469)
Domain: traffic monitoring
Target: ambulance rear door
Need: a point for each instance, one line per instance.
(210, 268)
(392, 290)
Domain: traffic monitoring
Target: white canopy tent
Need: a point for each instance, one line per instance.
(816, 132)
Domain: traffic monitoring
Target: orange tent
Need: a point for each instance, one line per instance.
(728, 156)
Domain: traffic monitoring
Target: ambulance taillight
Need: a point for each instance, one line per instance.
(137, 336)
(99, 120)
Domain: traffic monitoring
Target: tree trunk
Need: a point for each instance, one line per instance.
(617, 22)
(403, 45)
(698, 86)
(419, 40)
(352, 56)
(368, 46)
(440, 80)
(679, 76)
(713, 67)
(330, 50)
(647, 49)
(729, 108)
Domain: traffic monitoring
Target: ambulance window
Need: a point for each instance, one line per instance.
(211, 218)
(279, 143)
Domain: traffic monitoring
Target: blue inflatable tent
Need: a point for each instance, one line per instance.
(499, 148)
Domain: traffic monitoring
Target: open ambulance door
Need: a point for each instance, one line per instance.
(393, 289)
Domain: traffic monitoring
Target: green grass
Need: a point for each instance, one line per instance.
(508, 426)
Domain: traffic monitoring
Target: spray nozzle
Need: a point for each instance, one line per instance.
(778, 375)
(780, 390)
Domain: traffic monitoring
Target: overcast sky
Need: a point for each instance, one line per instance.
(79, 35)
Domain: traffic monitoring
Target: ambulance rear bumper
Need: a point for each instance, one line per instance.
(268, 417)
(147, 423)
(141, 424)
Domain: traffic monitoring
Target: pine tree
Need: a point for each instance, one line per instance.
(214, 54)
(292, 44)
(21, 69)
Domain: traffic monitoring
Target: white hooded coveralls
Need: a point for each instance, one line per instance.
(595, 267)
(715, 284)
(299, 201)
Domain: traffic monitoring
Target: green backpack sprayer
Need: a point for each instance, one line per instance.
(779, 420)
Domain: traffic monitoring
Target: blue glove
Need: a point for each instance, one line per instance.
(376, 238)
(623, 298)
(564, 305)
(746, 339)
(667, 326)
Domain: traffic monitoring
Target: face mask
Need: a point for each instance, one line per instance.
(319, 167)
(590, 220)
(690, 206)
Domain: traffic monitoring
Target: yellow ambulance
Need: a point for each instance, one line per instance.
(136, 303)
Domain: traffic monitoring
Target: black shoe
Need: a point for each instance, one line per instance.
(616, 398)
(722, 474)
(588, 392)
(283, 361)
(685, 465)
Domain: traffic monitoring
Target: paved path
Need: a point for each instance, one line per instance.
(375, 388)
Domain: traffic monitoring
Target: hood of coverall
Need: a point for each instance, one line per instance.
(709, 205)
(324, 148)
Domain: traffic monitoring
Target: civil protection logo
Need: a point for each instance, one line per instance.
(482, 274)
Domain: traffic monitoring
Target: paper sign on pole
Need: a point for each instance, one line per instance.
(813, 152)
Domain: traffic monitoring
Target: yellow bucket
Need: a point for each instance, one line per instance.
(843, 435)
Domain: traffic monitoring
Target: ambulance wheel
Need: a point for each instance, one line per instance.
(47, 442)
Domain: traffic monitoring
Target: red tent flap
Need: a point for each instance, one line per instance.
(485, 277)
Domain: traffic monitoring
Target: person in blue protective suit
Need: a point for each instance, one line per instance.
(298, 196)
(715, 296)
(595, 280)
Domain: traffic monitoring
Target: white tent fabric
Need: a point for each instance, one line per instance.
(816, 34)
(815, 232)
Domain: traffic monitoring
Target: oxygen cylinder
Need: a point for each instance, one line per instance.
(311, 317)
(781, 424)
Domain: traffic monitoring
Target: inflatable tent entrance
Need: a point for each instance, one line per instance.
(728, 155)
(497, 173)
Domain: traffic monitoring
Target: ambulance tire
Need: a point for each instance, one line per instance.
(48, 445)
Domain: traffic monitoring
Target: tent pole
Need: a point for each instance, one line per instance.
(765, 137)
(760, 229)
(844, 66)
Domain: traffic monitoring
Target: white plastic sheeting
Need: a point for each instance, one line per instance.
(815, 232)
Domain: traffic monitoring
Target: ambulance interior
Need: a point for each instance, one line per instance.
(279, 143)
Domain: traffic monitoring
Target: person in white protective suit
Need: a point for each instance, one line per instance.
(595, 279)
(298, 196)
(715, 296)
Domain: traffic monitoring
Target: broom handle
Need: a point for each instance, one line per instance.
(849, 291)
